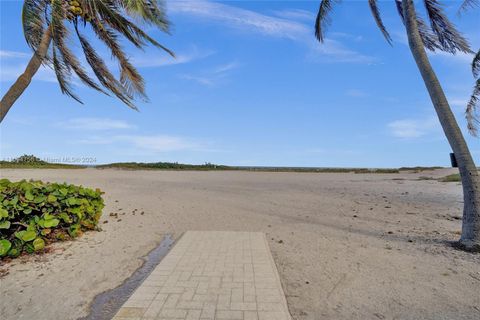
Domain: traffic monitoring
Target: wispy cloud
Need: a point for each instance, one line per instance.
(95, 124)
(332, 51)
(149, 143)
(161, 143)
(413, 128)
(238, 17)
(330, 151)
(152, 61)
(356, 93)
(213, 76)
(343, 35)
(464, 58)
(13, 54)
(198, 79)
(458, 103)
(17, 62)
(295, 14)
(226, 67)
(275, 26)
(399, 36)
(12, 71)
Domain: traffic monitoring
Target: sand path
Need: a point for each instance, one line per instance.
(347, 246)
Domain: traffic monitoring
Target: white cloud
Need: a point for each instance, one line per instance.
(399, 36)
(317, 150)
(160, 143)
(212, 77)
(13, 54)
(149, 143)
(464, 58)
(333, 51)
(251, 21)
(458, 103)
(238, 17)
(330, 152)
(413, 128)
(199, 79)
(12, 72)
(356, 93)
(348, 36)
(295, 14)
(226, 67)
(156, 60)
(94, 124)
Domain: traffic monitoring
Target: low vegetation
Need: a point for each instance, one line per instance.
(32, 162)
(210, 166)
(163, 166)
(451, 178)
(426, 178)
(34, 214)
(419, 169)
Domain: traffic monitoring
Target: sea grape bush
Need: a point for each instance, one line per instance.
(28, 159)
(34, 213)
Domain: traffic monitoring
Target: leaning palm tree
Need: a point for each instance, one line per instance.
(48, 26)
(439, 34)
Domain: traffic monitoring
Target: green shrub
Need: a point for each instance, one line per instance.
(34, 213)
(28, 159)
(451, 178)
(32, 162)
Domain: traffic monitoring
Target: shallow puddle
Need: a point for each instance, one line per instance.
(106, 304)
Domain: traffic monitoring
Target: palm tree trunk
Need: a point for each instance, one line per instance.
(470, 238)
(24, 80)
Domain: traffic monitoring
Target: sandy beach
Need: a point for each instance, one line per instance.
(347, 246)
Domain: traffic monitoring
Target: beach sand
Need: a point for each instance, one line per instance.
(347, 246)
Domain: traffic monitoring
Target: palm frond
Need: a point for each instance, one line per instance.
(130, 78)
(323, 18)
(429, 39)
(64, 61)
(103, 73)
(476, 65)
(141, 34)
(61, 68)
(108, 15)
(450, 39)
(111, 20)
(378, 19)
(468, 4)
(33, 22)
(150, 11)
(72, 62)
(63, 75)
(471, 113)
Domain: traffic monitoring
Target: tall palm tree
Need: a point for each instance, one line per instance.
(48, 26)
(439, 34)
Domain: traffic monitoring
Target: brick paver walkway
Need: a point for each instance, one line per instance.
(212, 275)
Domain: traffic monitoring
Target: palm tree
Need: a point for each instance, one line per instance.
(49, 24)
(439, 34)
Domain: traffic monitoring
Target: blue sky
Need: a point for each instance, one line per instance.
(250, 86)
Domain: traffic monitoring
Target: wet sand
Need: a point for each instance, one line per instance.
(347, 246)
